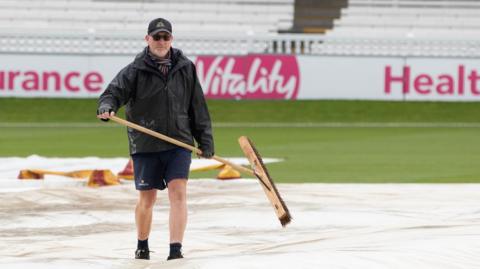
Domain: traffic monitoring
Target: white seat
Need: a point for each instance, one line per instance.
(266, 16)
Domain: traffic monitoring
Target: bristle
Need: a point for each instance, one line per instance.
(285, 219)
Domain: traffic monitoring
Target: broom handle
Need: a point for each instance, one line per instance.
(178, 143)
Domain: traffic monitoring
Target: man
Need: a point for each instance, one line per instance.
(161, 92)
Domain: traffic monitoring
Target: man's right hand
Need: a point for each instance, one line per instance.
(105, 114)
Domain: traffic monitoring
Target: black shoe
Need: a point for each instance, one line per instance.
(173, 256)
(143, 254)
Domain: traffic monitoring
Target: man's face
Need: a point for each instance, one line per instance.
(159, 43)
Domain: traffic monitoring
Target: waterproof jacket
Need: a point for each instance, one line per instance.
(173, 105)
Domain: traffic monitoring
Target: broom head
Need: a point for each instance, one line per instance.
(266, 181)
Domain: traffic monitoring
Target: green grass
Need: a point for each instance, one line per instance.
(83, 110)
(311, 154)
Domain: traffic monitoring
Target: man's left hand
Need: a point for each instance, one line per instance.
(206, 154)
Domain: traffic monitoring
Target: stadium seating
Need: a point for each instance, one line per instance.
(405, 27)
(409, 18)
(90, 26)
(212, 16)
(363, 27)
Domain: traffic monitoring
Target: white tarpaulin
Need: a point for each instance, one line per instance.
(232, 225)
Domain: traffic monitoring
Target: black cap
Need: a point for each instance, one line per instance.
(159, 25)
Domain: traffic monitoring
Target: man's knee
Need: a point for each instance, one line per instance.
(177, 191)
(147, 199)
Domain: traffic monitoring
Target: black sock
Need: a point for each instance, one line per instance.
(175, 248)
(142, 244)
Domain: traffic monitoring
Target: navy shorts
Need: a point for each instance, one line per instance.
(153, 170)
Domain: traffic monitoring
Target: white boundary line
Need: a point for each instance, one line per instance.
(262, 125)
(351, 125)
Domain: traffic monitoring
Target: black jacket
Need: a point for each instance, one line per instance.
(174, 106)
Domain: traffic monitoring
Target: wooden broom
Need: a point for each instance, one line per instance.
(259, 170)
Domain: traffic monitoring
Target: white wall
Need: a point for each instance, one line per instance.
(258, 77)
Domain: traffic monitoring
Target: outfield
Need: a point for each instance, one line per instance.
(321, 141)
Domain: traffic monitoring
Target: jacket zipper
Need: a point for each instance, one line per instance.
(168, 106)
(166, 92)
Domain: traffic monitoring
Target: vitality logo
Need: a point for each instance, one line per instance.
(249, 77)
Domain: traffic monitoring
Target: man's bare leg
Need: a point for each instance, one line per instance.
(177, 194)
(143, 213)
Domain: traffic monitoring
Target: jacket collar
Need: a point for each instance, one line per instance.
(144, 62)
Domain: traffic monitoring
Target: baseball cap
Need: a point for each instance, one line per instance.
(159, 25)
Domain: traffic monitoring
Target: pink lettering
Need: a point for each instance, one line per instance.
(422, 84)
(32, 82)
(68, 85)
(11, 79)
(2, 80)
(461, 77)
(446, 85)
(404, 79)
(93, 82)
(427, 84)
(46, 77)
(473, 77)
